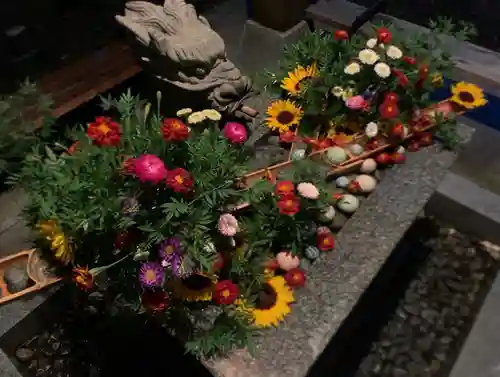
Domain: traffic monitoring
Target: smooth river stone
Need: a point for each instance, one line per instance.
(336, 155)
(16, 279)
(348, 203)
(366, 183)
(342, 182)
(356, 149)
(298, 154)
(327, 214)
(368, 166)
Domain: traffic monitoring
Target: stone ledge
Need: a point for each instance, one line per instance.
(473, 63)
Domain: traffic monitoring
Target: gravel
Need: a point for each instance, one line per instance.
(425, 333)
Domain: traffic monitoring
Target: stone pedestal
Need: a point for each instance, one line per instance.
(261, 46)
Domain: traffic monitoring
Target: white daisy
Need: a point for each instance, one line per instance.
(368, 56)
(337, 91)
(382, 70)
(352, 68)
(184, 112)
(371, 129)
(394, 53)
(371, 43)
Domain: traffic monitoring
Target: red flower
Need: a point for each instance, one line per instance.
(179, 180)
(389, 110)
(284, 189)
(341, 35)
(128, 166)
(289, 205)
(409, 60)
(325, 241)
(399, 131)
(287, 137)
(174, 129)
(383, 158)
(391, 97)
(372, 144)
(414, 146)
(155, 301)
(295, 277)
(402, 78)
(423, 72)
(73, 147)
(122, 240)
(384, 35)
(104, 131)
(425, 138)
(397, 158)
(226, 292)
(83, 278)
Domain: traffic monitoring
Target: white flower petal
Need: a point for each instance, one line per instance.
(352, 68)
(371, 43)
(382, 70)
(368, 56)
(371, 129)
(394, 53)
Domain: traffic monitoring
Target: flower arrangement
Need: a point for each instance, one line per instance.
(142, 203)
(334, 87)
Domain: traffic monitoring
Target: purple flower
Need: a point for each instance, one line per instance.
(151, 274)
(169, 248)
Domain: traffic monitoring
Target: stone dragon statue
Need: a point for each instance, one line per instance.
(179, 46)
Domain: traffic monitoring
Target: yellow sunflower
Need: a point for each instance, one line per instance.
(468, 95)
(273, 303)
(197, 287)
(293, 82)
(283, 114)
(58, 242)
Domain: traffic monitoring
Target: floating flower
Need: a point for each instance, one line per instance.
(437, 80)
(352, 68)
(289, 205)
(150, 168)
(284, 189)
(371, 43)
(155, 301)
(104, 131)
(228, 225)
(341, 35)
(402, 79)
(83, 278)
(174, 129)
(371, 129)
(235, 132)
(382, 70)
(179, 180)
(384, 35)
(273, 303)
(357, 103)
(226, 292)
(295, 79)
(295, 278)
(368, 56)
(337, 91)
(151, 275)
(283, 114)
(184, 112)
(195, 287)
(308, 190)
(58, 242)
(467, 95)
(389, 110)
(394, 52)
(286, 260)
(409, 60)
(325, 241)
(212, 114)
(196, 117)
(288, 137)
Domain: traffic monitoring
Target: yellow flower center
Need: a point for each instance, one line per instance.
(226, 293)
(179, 179)
(150, 275)
(169, 249)
(104, 128)
(326, 241)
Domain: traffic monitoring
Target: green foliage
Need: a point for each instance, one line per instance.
(18, 133)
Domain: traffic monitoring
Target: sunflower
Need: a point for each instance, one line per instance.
(273, 303)
(283, 114)
(293, 82)
(58, 242)
(196, 287)
(467, 95)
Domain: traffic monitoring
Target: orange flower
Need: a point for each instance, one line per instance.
(284, 189)
(83, 278)
(389, 110)
(174, 129)
(155, 301)
(289, 205)
(104, 131)
(287, 137)
(226, 292)
(295, 277)
(325, 241)
(179, 180)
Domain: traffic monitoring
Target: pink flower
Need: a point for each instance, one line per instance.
(228, 225)
(308, 190)
(149, 168)
(356, 103)
(235, 132)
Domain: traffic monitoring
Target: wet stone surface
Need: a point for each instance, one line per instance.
(425, 333)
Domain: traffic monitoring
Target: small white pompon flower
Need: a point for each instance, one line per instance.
(372, 43)
(352, 68)
(382, 70)
(394, 53)
(184, 112)
(337, 91)
(371, 129)
(368, 56)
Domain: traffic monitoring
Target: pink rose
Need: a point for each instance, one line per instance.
(150, 168)
(356, 103)
(228, 225)
(235, 132)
